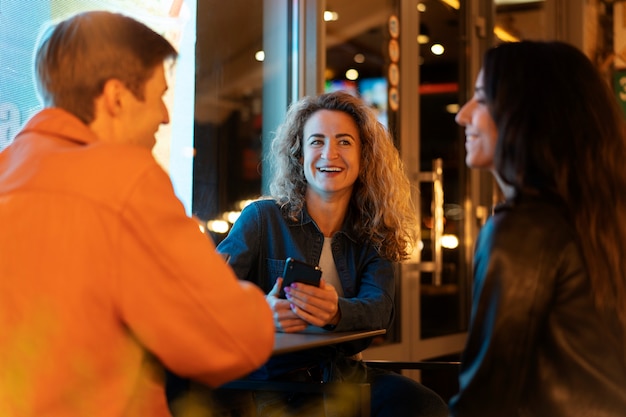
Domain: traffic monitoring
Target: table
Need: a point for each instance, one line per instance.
(313, 337)
(316, 337)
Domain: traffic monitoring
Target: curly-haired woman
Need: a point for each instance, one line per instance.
(341, 200)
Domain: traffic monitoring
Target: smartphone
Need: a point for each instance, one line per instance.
(298, 271)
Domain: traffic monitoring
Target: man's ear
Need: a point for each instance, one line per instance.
(112, 96)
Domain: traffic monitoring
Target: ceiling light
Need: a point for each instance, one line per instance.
(260, 56)
(453, 108)
(455, 4)
(352, 74)
(422, 39)
(437, 49)
(421, 7)
(330, 16)
(449, 241)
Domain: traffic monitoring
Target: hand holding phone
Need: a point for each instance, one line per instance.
(298, 271)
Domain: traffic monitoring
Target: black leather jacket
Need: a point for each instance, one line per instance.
(536, 345)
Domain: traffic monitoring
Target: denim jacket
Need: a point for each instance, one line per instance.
(263, 237)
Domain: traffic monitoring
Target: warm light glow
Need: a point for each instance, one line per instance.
(243, 203)
(359, 58)
(504, 35)
(217, 226)
(352, 74)
(452, 108)
(437, 49)
(422, 39)
(455, 4)
(449, 241)
(260, 56)
(421, 7)
(231, 216)
(330, 16)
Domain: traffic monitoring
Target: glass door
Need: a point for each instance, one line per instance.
(417, 54)
(443, 275)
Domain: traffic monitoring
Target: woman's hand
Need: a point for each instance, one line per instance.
(317, 306)
(285, 319)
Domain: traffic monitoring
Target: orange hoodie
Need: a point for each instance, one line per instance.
(103, 277)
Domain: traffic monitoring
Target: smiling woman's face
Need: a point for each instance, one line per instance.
(481, 133)
(331, 152)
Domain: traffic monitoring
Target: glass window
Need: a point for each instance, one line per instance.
(357, 52)
(175, 19)
(242, 91)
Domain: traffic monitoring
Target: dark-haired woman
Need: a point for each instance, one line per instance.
(548, 324)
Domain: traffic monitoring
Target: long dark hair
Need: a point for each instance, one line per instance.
(561, 133)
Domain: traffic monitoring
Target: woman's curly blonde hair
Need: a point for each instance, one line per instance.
(381, 205)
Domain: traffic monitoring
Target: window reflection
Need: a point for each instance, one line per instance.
(229, 110)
